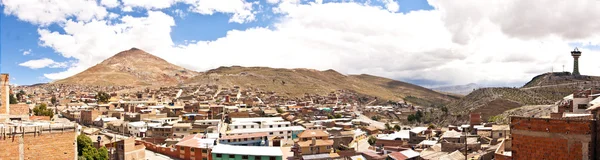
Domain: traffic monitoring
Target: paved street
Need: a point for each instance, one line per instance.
(379, 125)
(156, 156)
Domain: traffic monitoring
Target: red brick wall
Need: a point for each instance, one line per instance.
(45, 146)
(537, 138)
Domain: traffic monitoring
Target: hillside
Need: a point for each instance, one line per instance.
(494, 101)
(558, 78)
(458, 89)
(132, 67)
(544, 89)
(297, 82)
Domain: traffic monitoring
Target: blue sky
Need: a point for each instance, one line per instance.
(410, 40)
(19, 36)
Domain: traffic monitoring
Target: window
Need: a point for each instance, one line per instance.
(280, 132)
(272, 158)
(184, 130)
(582, 106)
(279, 126)
(177, 129)
(235, 127)
(270, 126)
(245, 139)
(244, 127)
(245, 157)
(192, 149)
(204, 159)
(219, 155)
(252, 126)
(270, 133)
(289, 132)
(204, 150)
(181, 148)
(231, 156)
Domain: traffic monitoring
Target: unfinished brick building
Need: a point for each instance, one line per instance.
(38, 140)
(555, 138)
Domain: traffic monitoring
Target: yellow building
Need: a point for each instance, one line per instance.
(315, 142)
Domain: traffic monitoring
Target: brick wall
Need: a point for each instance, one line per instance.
(538, 138)
(56, 145)
(19, 109)
(4, 93)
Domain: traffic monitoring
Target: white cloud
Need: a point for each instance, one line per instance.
(43, 63)
(110, 3)
(149, 4)
(127, 9)
(27, 52)
(90, 43)
(457, 43)
(392, 5)
(179, 13)
(242, 11)
(113, 16)
(45, 12)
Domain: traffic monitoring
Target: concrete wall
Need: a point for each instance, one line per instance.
(538, 138)
(55, 145)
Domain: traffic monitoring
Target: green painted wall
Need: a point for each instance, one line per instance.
(239, 157)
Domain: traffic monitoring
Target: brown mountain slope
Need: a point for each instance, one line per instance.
(132, 67)
(297, 82)
(544, 89)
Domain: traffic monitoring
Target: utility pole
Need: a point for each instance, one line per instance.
(466, 146)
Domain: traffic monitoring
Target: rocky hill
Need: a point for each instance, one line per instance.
(297, 82)
(458, 89)
(544, 89)
(558, 78)
(494, 101)
(133, 67)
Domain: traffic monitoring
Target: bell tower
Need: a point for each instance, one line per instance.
(576, 54)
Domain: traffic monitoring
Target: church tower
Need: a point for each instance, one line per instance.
(576, 54)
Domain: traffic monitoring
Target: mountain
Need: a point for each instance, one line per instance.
(544, 89)
(133, 67)
(297, 82)
(458, 89)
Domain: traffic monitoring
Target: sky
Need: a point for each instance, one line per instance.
(426, 42)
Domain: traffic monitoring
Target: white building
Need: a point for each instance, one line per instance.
(137, 129)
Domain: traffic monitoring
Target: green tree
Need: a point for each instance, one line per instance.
(83, 141)
(375, 118)
(397, 127)
(445, 110)
(102, 97)
(338, 115)
(12, 99)
(87, 151)
(388, 127)
(279, 110)
(372, 140)
(53, 101)
(102, 153)
(42, 110)
(20, 95)
(431, 126)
